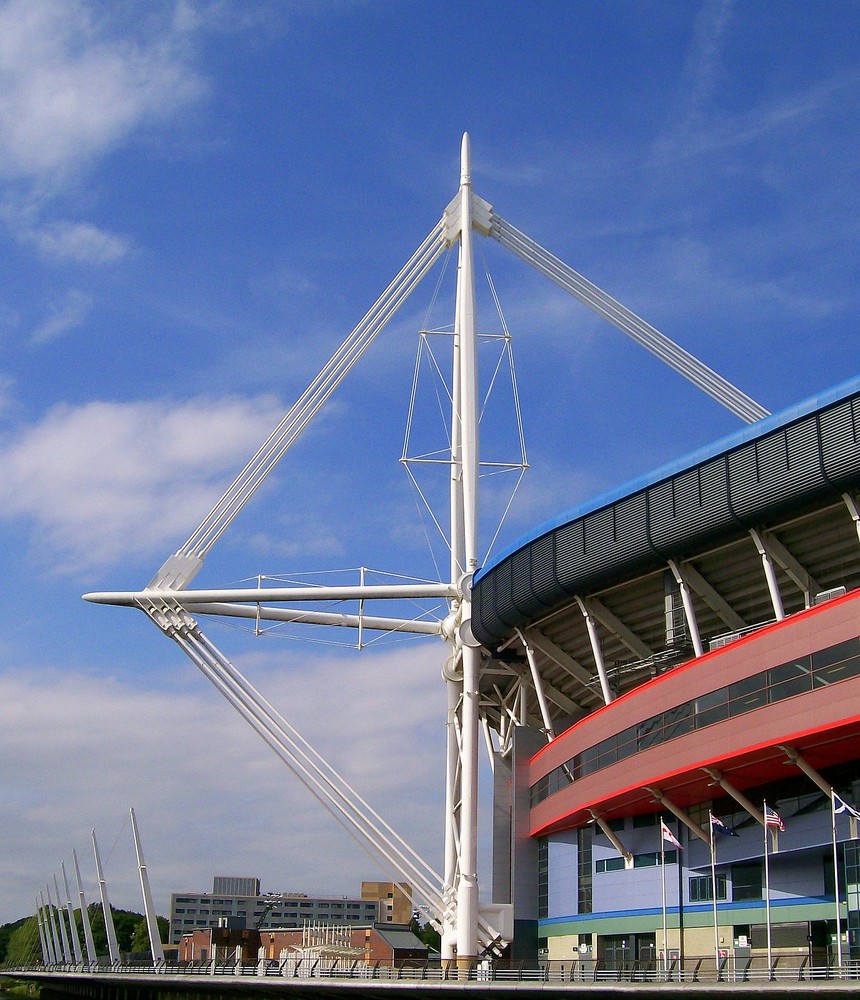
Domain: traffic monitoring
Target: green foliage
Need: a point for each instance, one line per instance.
(427, 934)
(24, 947)
(6, 932)
(19, 941)
(131, 933)
(16, 988)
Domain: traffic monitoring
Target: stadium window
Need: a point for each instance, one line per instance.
(746, 881)
(712, 707)
(701, 888)
(650, 732)
(584, 855)
(543, 877)
(836, 654)
(789, 679)
(643, 820)
(615, 825)
(677, 721)
(747, 694)
(836, 663)
(608, 865)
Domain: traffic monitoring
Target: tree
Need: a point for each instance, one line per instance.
(6, 932)
(427, 934)
(126, 924)
(24, 946)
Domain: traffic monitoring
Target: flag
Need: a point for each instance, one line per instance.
(668, 836)
(841, 806)
(772, 818)
(720, 827)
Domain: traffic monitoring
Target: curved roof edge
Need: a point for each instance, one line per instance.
(719, 447)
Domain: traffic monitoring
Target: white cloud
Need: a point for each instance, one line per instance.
(69, 315)
(70, 92)
(104, 481)
(78, 79)
(78, 242)
(209, 796)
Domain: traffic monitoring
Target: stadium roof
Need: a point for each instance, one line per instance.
(784, 483)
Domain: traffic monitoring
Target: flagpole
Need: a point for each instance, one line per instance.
(714, 890)
(836, 880)
(663, 883)
(767, 893)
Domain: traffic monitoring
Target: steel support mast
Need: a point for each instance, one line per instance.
(170, 603)
(464, 678)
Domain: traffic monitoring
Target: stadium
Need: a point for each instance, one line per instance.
(682, 658)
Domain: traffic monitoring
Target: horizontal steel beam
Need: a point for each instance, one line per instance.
(306, 616)
(187, 598)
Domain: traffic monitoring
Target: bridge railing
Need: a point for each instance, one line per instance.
(696, 969)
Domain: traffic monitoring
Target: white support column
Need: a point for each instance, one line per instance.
(612, 838)
(452, 785)
(67, 951)
(110, 930)
(689, 611)
(736, 794)
(149, 910)
(43, 941)
(56, 956)
(70, 909)
(596, 650)
(801, 764)
(538, 686)
(853, 510)
(679, 813)
(467, 884)
(452, 672)
(85, 916)
(770, 575)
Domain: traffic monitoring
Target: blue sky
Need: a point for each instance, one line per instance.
(198, 201)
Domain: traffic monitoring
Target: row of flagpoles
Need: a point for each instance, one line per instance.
(772, 824)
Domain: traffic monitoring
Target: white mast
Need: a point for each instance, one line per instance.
(85, 915)
(73, 929)
(464, 561)
(50, 929)
(61, 920)
(43, 941)
(110, 930)
(151, 920)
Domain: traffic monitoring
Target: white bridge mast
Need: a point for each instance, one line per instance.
(463, 679)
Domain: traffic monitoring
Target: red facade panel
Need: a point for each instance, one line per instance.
(824, 722)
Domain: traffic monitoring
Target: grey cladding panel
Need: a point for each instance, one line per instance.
(785, 469)
(840, 435)
(631, 527)
(522, 585)
(569, 554)
(543, 569)
(598, 537)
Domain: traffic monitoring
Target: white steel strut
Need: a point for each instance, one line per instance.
(155, 948)
(452, 898)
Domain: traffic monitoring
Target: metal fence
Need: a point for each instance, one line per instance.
(784, 968)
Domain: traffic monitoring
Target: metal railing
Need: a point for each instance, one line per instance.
(698, 969)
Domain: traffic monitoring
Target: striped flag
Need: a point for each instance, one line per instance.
(772, 818)
(668, 836)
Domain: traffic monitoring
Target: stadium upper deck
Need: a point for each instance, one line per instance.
(730, 538)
